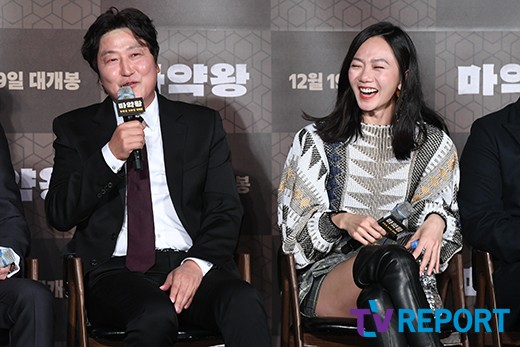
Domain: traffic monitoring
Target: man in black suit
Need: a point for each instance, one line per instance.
(26, 306)
(489, 200)
(196, 208)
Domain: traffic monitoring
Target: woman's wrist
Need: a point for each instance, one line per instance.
(437, 219)
(339, 219)
(328, 227)
(335, 218)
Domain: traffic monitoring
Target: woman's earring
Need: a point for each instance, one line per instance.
(398, 93)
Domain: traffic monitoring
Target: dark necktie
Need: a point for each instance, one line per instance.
(140, 254)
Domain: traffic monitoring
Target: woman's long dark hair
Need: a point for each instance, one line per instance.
(344, 123)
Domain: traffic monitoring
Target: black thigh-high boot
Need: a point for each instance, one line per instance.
(381, 300)
(396, 270)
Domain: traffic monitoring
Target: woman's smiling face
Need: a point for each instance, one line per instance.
(374, 78)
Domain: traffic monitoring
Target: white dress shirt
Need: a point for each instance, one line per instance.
(169, 231)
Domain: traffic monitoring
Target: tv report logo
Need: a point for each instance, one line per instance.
(424, 320)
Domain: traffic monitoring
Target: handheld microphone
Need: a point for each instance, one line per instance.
(130, 108)
(392, 223)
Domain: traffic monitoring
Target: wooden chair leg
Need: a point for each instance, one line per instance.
(459, 297)
(71, 324)
(77, 321)
(479, 280)
(285, 319)
(295, 303)
(483, 268)
(487, 270)
(80, 290)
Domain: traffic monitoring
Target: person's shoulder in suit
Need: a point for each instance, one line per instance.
(196, 111)
(507, 114)
(78, 113)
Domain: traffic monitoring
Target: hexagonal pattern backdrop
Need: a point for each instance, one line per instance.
(261, 64)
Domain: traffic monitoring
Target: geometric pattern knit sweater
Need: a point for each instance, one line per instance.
(365, 177)
(362, 177)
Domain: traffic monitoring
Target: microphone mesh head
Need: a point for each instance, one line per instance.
(125, 93)
(402, 210)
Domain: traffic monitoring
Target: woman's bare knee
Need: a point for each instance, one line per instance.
(338, 293)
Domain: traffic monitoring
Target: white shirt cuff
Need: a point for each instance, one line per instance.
(205, 266)
(112, 162)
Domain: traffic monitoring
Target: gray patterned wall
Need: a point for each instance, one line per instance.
(261, 64)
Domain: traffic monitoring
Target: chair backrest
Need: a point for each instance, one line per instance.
(243, 261)
(453, 277)
(78, 333)
(342, 331)
(31, 265)
(482, 271)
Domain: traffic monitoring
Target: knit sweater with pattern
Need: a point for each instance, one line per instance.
(362, 177)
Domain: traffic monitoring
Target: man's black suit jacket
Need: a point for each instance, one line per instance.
(14, 232)
(85, 193)
(489, 195)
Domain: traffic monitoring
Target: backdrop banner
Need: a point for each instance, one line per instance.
(261, 64)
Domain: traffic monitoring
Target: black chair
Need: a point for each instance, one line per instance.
(482, 266)
(300, 331)
(81, 333)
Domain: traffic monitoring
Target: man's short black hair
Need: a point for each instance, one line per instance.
(139, 23)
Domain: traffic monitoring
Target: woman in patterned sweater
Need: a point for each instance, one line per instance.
(380, 146)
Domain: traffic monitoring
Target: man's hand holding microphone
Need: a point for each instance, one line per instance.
(128, 137)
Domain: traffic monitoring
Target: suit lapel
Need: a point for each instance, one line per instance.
(104, 123)
(173, 133)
